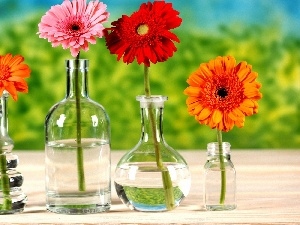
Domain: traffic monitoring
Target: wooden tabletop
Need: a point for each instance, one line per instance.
(268, 192)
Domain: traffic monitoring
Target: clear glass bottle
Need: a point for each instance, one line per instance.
(12, 198)
(77, 149)
(152, 166)
(219, 178)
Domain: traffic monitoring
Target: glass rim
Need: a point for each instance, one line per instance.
(152, 98)
(213, 148)
(71, 63)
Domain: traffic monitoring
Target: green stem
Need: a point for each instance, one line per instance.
(80, 164)
(222, 168)
(7, 202)
(147, 82)
(166, 178)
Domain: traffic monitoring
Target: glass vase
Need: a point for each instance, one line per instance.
(219, 178)
(152, 176)
(77, 149)
(12, 198)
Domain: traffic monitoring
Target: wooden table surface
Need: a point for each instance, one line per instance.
(268, 192)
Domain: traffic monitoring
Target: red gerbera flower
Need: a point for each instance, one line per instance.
(12, 73)
(145, 35)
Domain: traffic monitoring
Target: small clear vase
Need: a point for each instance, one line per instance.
(152, 176)
(219, 178)
(77, 149)
(12, 198)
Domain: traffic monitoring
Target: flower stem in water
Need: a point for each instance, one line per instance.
(222, 168)
(167, 182)
(80, 166)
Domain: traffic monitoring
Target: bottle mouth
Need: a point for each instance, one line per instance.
(155, 100)
(77, 64)
(213, 148)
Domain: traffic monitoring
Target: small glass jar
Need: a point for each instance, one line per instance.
(219, 178)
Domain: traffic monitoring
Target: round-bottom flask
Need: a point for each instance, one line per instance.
(152, 176)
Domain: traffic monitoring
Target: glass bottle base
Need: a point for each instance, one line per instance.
(75, 204)
(78, 209)
(219, 207)
(146, 199)
(18, 205)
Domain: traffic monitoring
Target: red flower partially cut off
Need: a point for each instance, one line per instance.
(222, 93)
(12, 73)
(145, 35)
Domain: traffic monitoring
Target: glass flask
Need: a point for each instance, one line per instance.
(77, 149)
(219, 178)
(152, 176)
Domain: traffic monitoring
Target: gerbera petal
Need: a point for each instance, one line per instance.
(195, 80)
(205, 71)
(216, 116)
(218, 65)
(192, 102)
(251, 77)
(10, 87)
(5, 60)
(246, 110)
(205, 113)
(229, 64)
(192, 91)
(227, 125)
(251, 90)
(197, 109)
(237, 112)
(240, 122)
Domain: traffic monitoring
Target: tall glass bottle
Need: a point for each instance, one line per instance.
(12, 198)
(219, 179)
(144, 174)
(77, 147)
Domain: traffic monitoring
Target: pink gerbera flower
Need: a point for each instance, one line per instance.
(74, 24)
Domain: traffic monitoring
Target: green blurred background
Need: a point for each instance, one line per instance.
(265, 33)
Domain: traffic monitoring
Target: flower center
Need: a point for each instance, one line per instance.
(75, 27)
(4, 72)
(142, 29)
(222, 92)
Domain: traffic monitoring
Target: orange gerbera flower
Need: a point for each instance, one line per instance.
(222, 93)
(12, 74)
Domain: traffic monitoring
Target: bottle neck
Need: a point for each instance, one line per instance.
(152, 118)
(6, 143)
(213, 150)
(77, 78)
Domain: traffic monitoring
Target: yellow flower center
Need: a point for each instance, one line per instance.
(142, 29)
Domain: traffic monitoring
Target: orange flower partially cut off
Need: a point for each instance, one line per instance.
(222, 93)
(12, 74)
